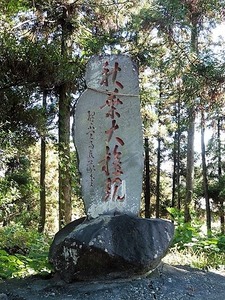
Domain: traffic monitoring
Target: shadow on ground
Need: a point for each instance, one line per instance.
(166, 282)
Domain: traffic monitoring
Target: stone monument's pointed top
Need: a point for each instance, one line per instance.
(105, 65)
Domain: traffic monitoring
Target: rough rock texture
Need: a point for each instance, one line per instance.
(107, 133)
(112, 246)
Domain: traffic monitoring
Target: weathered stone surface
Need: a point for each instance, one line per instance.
(107, 133)
(110, 245)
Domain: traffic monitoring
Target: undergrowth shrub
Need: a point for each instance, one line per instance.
(189, 241)
(23, 252)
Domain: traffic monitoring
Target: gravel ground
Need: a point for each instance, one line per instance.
(166, 282)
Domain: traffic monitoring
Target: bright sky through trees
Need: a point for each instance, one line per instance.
(218, 36)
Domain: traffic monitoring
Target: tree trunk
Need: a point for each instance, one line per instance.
(174, 182)
(42, 219)
(158, 178)
(191, 130)
(176, 159)
(190, 165)
(158, 154)
(178, 153)
(222, 218)
(65, 209)
(219, 148)
(204, 173)
(221, 200)
(147, 180)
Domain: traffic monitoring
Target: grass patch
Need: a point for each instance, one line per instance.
(195, 258)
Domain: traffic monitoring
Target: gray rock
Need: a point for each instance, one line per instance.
(107, 133)
(112, 246)
(3, 297)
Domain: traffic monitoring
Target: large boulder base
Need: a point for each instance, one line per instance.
(110, 246)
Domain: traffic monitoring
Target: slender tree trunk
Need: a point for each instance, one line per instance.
(190, 165)
(178, 154)
(174, 183)
(219, 147)
(65, 209)
(158, 154)
(42, 220)
(204, 173)
(221, 200)
(147, 180)
(176, 160)
(158, 178)
(222, 218)
(191, 131)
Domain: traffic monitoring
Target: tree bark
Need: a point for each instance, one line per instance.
(219, 147)
(178, 153)
(174, 180)
(221, 200)
(176, 159)
(147, 180)
(158, 178)
(204, 173)
(191, 129)
(42, 219)
(190, 165)
(158, 153)
(65, 209)
(222, 218)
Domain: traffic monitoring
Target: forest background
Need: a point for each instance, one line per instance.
(45, 45)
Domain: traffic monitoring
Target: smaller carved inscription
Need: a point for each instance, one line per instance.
(90, 158)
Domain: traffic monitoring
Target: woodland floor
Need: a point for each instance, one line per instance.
(166, 282)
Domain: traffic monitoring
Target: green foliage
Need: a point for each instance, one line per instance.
(18, 192)
(22, 252)
(13, 6)
(33, 64)
(209, 251)
(184, 232)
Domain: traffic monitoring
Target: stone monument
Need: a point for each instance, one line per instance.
(111, 240)
(108, 137)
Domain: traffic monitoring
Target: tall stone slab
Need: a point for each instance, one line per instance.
(108, 136)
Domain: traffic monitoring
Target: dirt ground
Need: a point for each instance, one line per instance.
(166, 282)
